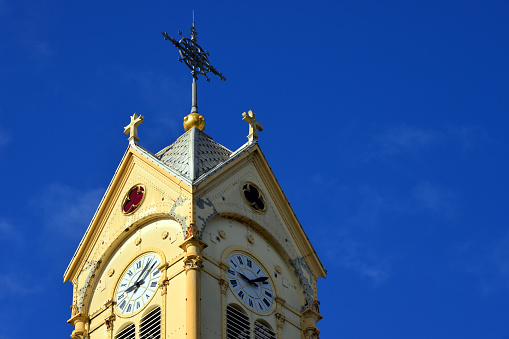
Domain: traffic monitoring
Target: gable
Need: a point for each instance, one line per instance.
(220, 195)
(165, 195)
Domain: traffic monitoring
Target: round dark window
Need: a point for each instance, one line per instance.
(253, 197)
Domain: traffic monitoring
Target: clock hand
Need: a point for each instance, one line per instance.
(142, 281)
(261, 279)
(135, 285)
(248, 280)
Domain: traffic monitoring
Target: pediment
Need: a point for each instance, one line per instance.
(221, 195)
(166, 195)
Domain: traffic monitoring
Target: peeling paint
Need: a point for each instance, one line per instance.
(87, 272)
(302, 271)
(177, 211)
(208, 210)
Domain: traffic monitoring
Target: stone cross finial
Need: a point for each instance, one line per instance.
(132, 128)
(254, 125)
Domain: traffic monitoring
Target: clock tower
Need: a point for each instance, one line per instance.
(194, 241)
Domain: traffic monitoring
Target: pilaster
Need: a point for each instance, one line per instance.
(193, 263)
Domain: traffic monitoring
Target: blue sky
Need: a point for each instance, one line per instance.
(385, 123)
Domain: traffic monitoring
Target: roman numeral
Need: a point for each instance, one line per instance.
(251, 303)
(232, 272)
(138, 304)
(265, 282)
(153, 284)
(233, 282)
(249, 263)
(129, 273)
(239, 258)
(120, 297)
(233, 263)
(156, 272)
(258, 272)
(260, 306)
(124, 284)
(138, 265)
(241, 294)
(266, 302)
(129, 308)
(122, 305)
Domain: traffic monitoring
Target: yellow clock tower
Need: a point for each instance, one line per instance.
(194, 241)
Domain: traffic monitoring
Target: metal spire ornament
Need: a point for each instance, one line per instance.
(196, 58)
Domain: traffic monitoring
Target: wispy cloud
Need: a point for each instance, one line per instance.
(485, 261)
(66, 209)
(161, 94)
(399, 140)
(404, 139)
(14, 286)
(358, 256)
(435, 198)
(4, 136)
(9, 233)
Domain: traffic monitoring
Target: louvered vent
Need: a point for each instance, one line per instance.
(127, 333)
(263, 332)
(150, 326)
(237, 324)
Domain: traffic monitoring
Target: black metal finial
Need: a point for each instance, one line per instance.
(195, 57)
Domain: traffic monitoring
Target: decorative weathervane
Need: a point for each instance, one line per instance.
(196, 58)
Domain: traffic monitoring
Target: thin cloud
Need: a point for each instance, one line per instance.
(66, 209)
(485, 261)
(4, 137)
(404, 139)
(413, 140)
(359, 257)
(13, 286)
(9, 233)
(435, 198)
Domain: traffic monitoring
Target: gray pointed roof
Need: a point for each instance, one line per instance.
(193, 154)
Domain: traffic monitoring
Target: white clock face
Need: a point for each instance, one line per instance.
(250, 283)
(138, 284)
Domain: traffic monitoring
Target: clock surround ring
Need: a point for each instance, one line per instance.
(238, 249)
(162, 268)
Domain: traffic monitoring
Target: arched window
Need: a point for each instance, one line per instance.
(262, 331)
(127, 333)
(150, 325)
(237, 324)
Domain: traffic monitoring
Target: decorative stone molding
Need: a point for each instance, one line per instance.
(311, 333)
(250, 238)
(309, 318)
(163, 285)
(222, 234)
(224, 284)
(280, 318)
(193, 262)
(164, 235)
(137, 241)
(111, 272)
(79, 321)
(192, 232)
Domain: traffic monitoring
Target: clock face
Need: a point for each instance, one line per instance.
(250, 283)
(138, 284)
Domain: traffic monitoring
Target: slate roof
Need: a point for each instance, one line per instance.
(193, 154)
